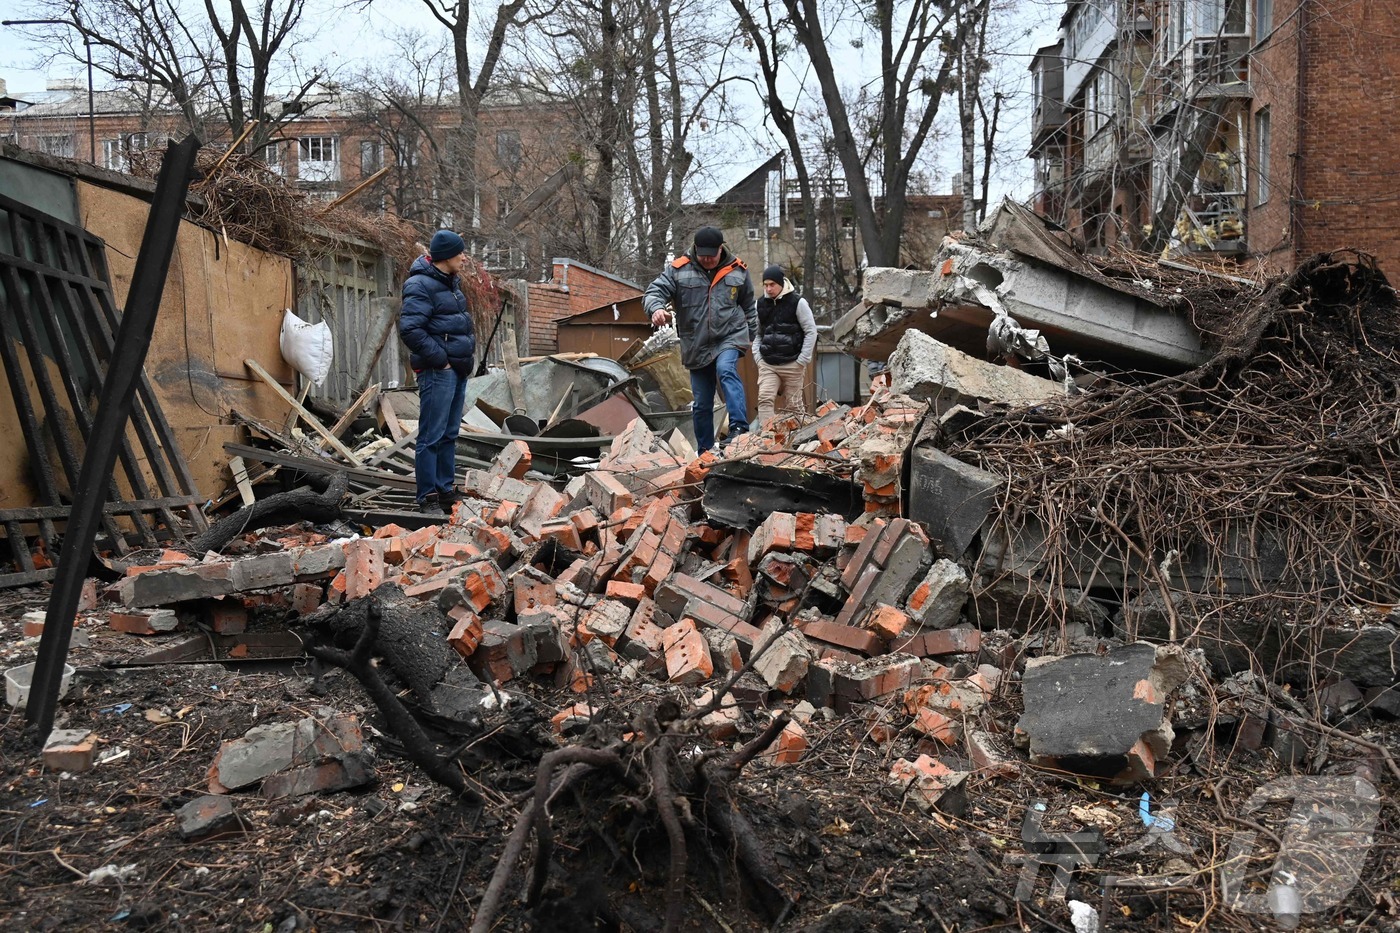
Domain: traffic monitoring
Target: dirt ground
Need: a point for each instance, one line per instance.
(403, 855)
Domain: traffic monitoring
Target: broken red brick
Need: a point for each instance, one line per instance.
(513, 460)
(364, 569)
(687, 654)
(466, 632)
(155, 622)
(945, 641)
(875, 678)
(860, 640)
(608, 620)
(631, 593)
(389, 531)
(776, 533)
(533, 589)
(227, 618)
(888, 623)
(456, 550)
(306, 598)
(563, 531)
(935, 725)
(787, 749)
(69, 750)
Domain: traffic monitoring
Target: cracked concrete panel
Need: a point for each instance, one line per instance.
(957, 300)
(930, 371)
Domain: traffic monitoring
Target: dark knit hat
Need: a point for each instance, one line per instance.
(445, 245)
(708, 241)
(774, 274)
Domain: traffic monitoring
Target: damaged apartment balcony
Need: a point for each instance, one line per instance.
(1019, 265)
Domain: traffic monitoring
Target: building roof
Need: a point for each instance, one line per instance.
(73, 102)
(753, 187)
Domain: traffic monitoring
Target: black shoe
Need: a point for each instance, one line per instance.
(450, 498)
(431, 506)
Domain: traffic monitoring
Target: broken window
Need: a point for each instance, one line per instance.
(1262, 144)
(316, 158)
(508, 151)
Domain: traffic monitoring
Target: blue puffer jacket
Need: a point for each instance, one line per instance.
(434, 322)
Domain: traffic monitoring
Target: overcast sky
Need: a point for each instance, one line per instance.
(346, 38)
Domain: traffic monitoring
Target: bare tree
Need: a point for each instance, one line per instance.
(221, 66)
(771, 37)
(917, 60)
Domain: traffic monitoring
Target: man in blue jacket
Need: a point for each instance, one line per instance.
(712, 300)
(436, 326)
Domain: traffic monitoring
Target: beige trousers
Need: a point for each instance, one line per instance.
(783, 385)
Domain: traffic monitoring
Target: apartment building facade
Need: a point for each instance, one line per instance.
(329, 142)
(1266, 124)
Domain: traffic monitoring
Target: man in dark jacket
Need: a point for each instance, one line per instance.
(436, 326)
(712, 300)
(787, 335)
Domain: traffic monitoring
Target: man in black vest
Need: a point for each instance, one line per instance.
(787, 335)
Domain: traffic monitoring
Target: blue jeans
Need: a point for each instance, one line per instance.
(441, 393)
(724, 372)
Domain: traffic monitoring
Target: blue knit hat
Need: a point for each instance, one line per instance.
(445, 245)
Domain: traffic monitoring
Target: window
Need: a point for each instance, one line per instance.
(508, 151)
(1098, 101)
(316, 159)
(57, 146)
(754, 234)
(1263, 18)
(799, 234)
(1262, 144)
(272, 157)
(936, 213)
(406, 149)
(506, 201)
(116, 153)
(371, 156)
(848, 228)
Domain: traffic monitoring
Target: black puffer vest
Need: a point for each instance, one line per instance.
(780, 339)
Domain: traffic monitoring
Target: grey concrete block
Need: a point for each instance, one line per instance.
(938, 600)
(210, 815)
(1101, 715)
(951, 499)
(263, 571)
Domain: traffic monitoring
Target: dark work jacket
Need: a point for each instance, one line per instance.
(780, 334)
(434, 322)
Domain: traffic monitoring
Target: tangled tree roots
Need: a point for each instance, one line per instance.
(663, 789)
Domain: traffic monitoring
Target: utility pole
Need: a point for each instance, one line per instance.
(87, 47)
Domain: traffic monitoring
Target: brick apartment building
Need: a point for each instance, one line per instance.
(1304, 155)
(329, 142)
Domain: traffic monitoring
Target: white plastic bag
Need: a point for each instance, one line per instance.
(309, 348)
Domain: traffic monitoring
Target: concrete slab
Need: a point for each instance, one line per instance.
(1101, 715)
(928, 370)
(1072, 308)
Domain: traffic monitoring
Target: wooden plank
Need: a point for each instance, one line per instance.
(111, 507)
(240, 478)
(512, 363)
(351, 413)
(299, 410)
(391, 420)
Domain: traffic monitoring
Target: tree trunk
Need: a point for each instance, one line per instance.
(1192, 145)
